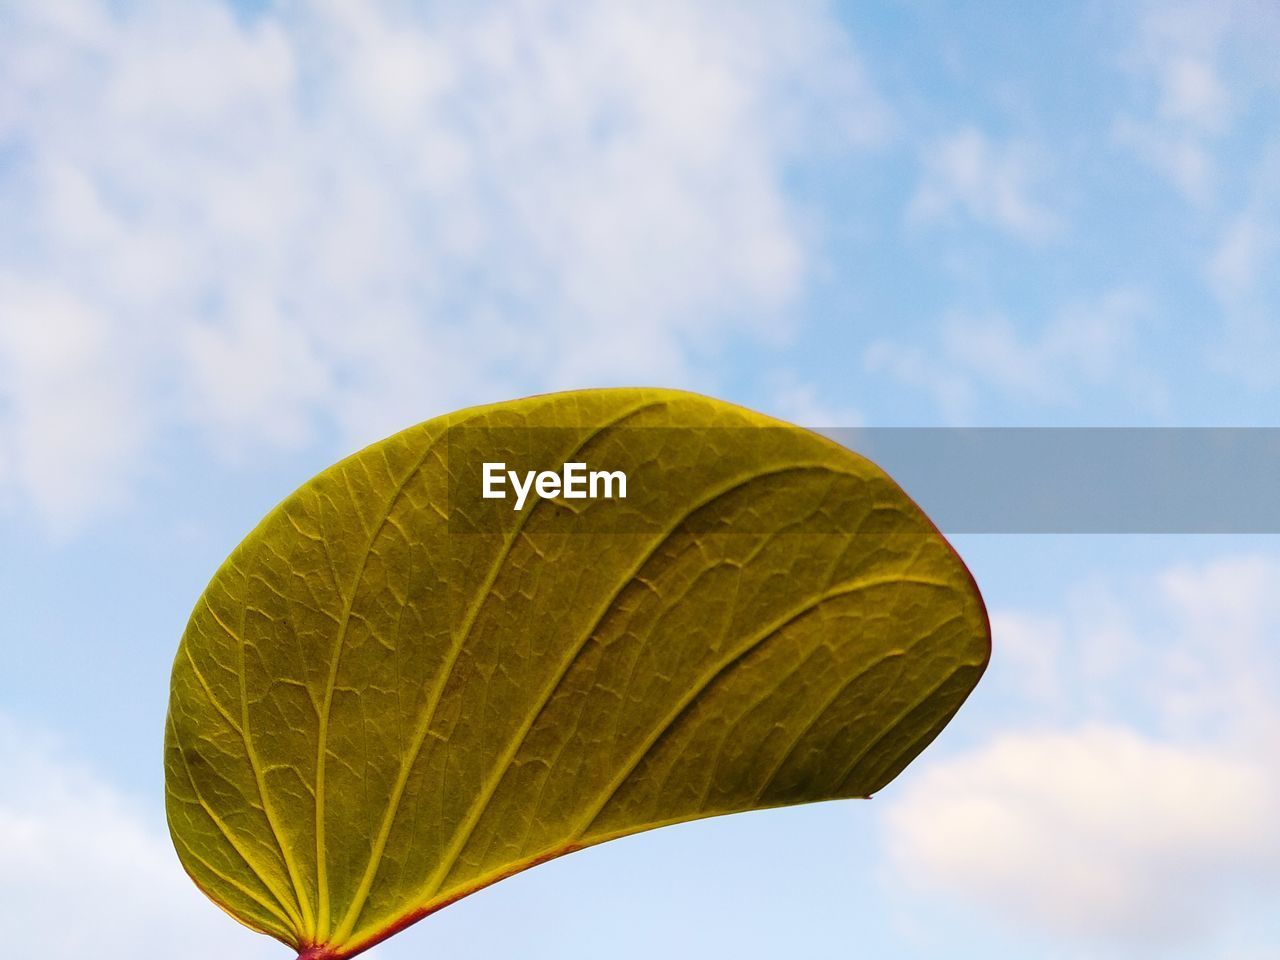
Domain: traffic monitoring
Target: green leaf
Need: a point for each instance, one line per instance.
(395, 692)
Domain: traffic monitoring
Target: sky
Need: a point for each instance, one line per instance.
(239, 241)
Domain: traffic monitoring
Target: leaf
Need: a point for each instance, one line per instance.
(395, 692)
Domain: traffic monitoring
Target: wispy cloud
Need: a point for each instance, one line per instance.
(358, 215)
(1110, 830)
(1198, 66)
(1240, 274)
(991, 182)
(84, 873)
(1201, 94)
(1085, 345)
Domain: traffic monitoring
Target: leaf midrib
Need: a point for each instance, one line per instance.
(321, 931)
(476, 811)
(374, 862)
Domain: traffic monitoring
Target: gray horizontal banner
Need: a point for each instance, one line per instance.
(620, 479)
(1083, 480)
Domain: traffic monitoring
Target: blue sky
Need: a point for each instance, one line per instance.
(239, 241)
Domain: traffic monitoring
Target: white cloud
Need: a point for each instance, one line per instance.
(1246, 247)
(1193, 92)
(1199, 66)
(1085, 345)
(73, 438)
(1201, 105)
(800, 402)
(360, 215)
(1096, 833)
(1219, 672)
(1187, 104)
(259, 372)
(1248, 291)
(1141, 822)
(84, 873)
(1183, 159)
(1030, 650)
(992, 183)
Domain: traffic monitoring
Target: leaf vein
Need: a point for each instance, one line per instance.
(294, 875)
(481, 804)
(249, 861)
(335, 660)
(700, 687)
(446, 671)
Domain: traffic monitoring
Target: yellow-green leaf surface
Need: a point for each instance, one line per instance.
(395, 692)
